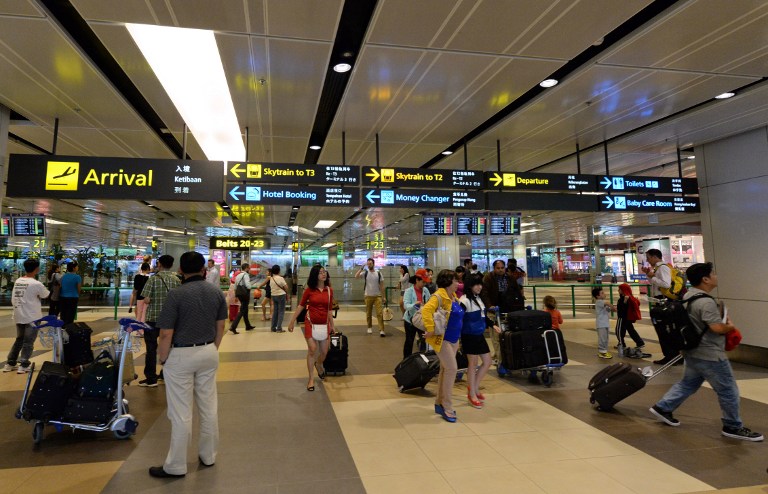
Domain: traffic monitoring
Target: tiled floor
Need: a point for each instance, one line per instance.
(356, 433)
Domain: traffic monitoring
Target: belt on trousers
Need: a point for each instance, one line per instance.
(187, 345)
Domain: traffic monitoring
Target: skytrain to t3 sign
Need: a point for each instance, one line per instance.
(81, 177)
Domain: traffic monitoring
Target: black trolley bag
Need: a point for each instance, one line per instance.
(52, 388)
(94, 397)
(416, 370)
(522, 349)
(527, 320)
(77, 350)
(336, 361)
(619, 381)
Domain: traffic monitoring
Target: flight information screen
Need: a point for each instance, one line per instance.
(437, 225)
(505, 224)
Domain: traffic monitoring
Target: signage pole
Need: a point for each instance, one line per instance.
(679, 164)
(498, 155)
(465, 156)
(184, 143)
(605, 151)
(247, 141)
(343, 148)
(377, 150)
(578, 159)
(55, 134)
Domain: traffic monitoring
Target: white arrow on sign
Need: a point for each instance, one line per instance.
(371, 195)
(607, 182)
(608, 202)
(235, 192)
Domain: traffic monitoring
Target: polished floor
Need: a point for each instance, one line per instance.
(356, 433)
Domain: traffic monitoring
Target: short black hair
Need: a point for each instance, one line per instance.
(413, 279)
(654, 253)
(191, 262)
(697, 272)
(596, 291)
(275, 269)
(467, 261)
(165, 261)
(145, 266)
(445, 278)
(30, 265)
(497, 261)
(71, 266)
(371, 259)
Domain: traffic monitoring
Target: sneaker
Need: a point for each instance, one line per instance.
(10, 368)
(605, 355)
(146, 383)
(742, 433)
(382, 334)
(370, 330)
(667, 417)
(24, 370)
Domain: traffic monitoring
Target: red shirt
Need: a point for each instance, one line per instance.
(317, 303)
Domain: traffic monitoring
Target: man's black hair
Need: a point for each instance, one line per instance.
(191, 262)
(165, 261)
(30, 265)
(654, 253)
(596, 291)
(697, 272)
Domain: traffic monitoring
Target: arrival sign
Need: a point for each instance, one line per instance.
(86, 177)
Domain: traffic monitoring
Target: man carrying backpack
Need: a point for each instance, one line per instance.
(660, 276)
(374, 289)
(708, 360)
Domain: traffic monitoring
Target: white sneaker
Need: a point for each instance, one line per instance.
(382, 334)
(24, 370)
(370, 330)
(10, 368)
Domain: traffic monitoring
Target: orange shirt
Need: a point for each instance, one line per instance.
(557, 318)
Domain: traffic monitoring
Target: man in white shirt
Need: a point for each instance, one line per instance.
(26, 297)
(374, 288)
(213, 275)
(243, 280)
(659, 275)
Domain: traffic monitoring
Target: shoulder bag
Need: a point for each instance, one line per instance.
(241, 291)
(320, 331)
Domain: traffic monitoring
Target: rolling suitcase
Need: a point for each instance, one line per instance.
(77, 350)
(522, 349)
(89, 410)
(618, 381)
(52, 388)
(416, 370)
(527, 320)
(336, 360)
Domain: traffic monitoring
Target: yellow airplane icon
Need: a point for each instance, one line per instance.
(62, 175)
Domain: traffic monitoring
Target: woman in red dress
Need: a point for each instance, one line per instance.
(318, 323)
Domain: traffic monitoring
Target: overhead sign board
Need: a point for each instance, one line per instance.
(529, 201)
(541, 181)
(650, 204)
(81, 177)
(650, 185)
(238, 243)
(423, 179)
(402, 198)
(289, 173)
(276, 195)
(28, 225)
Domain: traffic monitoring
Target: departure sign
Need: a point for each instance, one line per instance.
(287, 173)
(541, 181)
(401, 198)
(28, 225)
(424, 179)
(664, 185)
(472, 224)
(505, 224)
(239, 243)
(275, 195)
(650, 204)
(437, 224)
(85, 177)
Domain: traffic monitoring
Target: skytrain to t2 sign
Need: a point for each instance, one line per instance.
(87, 177)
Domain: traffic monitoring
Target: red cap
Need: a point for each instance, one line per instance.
(422, 273)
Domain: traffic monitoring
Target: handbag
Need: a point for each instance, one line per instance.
(241, 291)
(320, 331)
(386, 314)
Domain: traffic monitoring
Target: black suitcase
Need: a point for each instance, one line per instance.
(53, 386)
(614, 383)
(556, 345)
(336, 360)
(416, 370)
(527, 320)
(522, 349)
(77, 351)
(98, 380)
(88, 410)
(462, 362)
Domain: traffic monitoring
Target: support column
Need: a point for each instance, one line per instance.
(333, 259)
(444, 254)
(5, 124)
(593, 239)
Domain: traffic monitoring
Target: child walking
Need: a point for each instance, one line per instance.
(550, 305)
(603, 310)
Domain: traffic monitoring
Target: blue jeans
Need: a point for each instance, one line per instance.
(278, 311)
(719, 375)
(24, 344)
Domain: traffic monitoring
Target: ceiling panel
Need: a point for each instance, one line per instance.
(126, 11)
(316, 20)
(25, 8)
(408, 23)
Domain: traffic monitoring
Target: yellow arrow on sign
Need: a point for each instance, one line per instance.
(496, 179)
(236, 170)
(373, 173)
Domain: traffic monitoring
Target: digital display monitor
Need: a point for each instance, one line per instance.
(5, 226)
(437, 225)
(471, 225)
(28, 225)
(505, 224)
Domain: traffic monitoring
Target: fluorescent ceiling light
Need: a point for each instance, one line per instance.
(342, 67)
(329, 244)
(157, 228)
(533, 230)
(691, 157)
(548, 83)
(315, 147)
(522, 225)
(188, 65)
(447, 152)
(725, 95)
(55, 222)
(325, 223)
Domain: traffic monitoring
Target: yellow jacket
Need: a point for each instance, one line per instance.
(428, 312)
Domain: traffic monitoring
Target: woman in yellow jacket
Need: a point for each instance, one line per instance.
(447, 344)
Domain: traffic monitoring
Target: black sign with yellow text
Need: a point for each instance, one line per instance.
(420, 178)
(541, 181)
(239, 243)
(85, 177)
(287, 173)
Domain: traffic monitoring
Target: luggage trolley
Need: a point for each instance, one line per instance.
(121, 423)
(555, 358)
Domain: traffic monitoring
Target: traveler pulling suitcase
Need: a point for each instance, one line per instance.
(52, 388)
(338, 354)
(416, 370)
(77, 349)
(618, 381)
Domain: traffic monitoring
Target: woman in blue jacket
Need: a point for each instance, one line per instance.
(414, 297)
(473, 342)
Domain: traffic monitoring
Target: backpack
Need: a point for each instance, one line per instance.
(676, 289)
(673, 317)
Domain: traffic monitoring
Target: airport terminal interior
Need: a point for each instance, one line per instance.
(570, 135)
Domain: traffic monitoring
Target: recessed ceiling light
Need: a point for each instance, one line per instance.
(342, 67)
(325, 223)
(548, 83)
(691, 157)
(55, 222)
(329, 244)
(315, 147)
(447, 152)
(725, 95)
